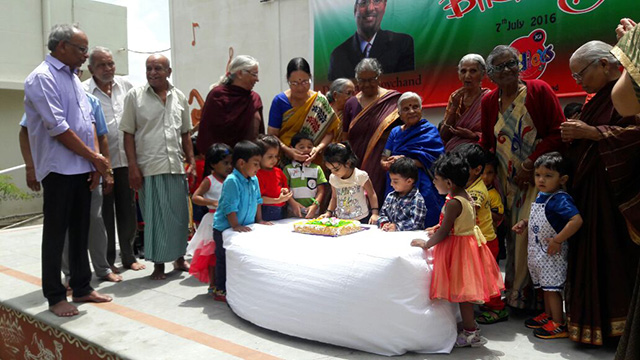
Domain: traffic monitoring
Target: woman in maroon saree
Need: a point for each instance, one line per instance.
(232, 111)
(462, 117)
(368, 119)
(603, 147)
(626, 99)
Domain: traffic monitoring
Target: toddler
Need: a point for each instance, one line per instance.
(273, 184)
(348, 185)
(553, 219)
(307, 182)
(403, 208)
(239, 205)
(202, 247)
(464, 270)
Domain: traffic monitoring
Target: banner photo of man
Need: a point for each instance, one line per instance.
(419, 43)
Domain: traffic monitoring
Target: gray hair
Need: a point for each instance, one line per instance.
(239, 63)
(499, 50)
(96, 50)
(336, 86)
(369, 64)
(60, 32)
(408, 96)
(482, 66)
(594, 50)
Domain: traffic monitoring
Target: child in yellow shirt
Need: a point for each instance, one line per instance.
(475, 156)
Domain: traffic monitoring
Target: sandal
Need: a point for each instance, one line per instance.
(492, 316)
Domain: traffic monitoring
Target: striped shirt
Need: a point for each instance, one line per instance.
(303, 181)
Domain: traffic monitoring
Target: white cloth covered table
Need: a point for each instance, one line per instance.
(366, 291)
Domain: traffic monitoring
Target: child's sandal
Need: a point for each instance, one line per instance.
(492, 316)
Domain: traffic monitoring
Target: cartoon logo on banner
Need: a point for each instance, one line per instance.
(568, 6)
(534, 54)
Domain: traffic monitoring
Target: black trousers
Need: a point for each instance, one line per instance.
(221, 261)
(67, 202)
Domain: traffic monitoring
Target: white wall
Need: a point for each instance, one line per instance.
(273, 32)
(24, 29)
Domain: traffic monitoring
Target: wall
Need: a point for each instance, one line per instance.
(24, 29)
(272, 32)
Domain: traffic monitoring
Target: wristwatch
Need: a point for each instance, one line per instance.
(110, 172)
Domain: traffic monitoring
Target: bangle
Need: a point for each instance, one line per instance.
(110, 172)
(524, 168)
(315, 201)
(330, 212)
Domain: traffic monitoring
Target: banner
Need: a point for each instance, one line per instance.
(440, 32)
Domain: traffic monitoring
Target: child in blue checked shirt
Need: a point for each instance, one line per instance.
(403, 208)
(239, 205)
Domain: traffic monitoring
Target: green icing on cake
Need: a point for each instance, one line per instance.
(328, 224)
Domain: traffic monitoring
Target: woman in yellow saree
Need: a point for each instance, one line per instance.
(299, 109)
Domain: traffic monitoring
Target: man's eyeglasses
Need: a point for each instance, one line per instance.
(505, 65)
(363, 3)
(300, 83)
(82, 49)
(369, 80)
(578, 76)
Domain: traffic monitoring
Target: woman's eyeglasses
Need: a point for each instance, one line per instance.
(505, 65)
(300, 83)
(578, 76)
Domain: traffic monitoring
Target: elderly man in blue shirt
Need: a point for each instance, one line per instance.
(63, 144)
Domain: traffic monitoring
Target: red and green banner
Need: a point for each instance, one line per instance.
(546, 32)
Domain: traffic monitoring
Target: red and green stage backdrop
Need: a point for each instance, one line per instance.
(546, 32)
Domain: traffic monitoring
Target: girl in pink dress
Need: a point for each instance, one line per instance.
(202, 247)
(464, 271)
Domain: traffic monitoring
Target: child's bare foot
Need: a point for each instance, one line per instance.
(64, 309)
(115, 269)
(158, 272)
(136, 266)
(112, 277)
(181, 264)
(93, 296)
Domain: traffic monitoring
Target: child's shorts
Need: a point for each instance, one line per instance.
(273, 213)
(548, 272)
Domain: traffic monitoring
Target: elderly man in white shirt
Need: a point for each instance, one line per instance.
(157, 127)
(111, 90)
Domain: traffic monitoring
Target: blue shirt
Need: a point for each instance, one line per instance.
(407, 212)
(98, 115)
(55, 102)
(279, 106)
(559, 210)
(240, 195)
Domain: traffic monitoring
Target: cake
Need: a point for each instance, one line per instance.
(327, 226)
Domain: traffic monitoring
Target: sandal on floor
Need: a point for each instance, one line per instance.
(492, 316)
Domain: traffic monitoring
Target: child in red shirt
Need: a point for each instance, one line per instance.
(273, 184)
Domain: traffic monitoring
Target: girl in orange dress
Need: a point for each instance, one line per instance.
(464, 271)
